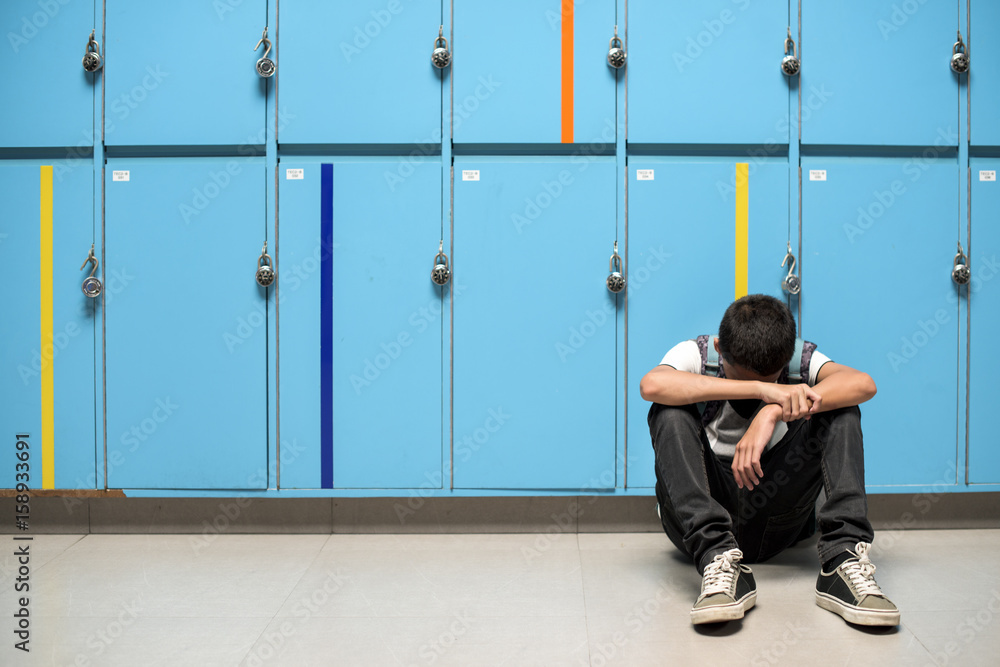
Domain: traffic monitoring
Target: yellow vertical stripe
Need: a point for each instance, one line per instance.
(742, 227)
(45, 286)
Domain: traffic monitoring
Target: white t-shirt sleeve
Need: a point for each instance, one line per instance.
(816, 363)
(684, 357)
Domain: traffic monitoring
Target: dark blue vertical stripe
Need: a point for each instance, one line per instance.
(326, 328)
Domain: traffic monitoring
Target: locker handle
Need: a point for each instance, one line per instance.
(441, 273)
(615, 281)
(960, 271)
(92, 286)
(792, 284)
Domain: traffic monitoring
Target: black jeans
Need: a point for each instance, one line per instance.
(704, 512)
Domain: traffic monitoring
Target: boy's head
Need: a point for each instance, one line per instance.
(757, 333)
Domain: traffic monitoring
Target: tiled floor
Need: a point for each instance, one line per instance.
(530, 599)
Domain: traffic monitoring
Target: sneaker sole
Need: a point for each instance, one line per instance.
(856, 615)
(721, 613)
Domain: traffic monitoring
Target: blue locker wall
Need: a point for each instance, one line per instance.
(361, 328)
(984, 303)
(535, 326)
(45, 40)
(49, 361)
(186, 358)
(864, 165)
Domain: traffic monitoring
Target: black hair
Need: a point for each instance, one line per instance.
(758, 333)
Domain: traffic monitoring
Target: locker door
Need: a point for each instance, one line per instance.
(183, 73)
(360, 326)
(46, 43)
(684, 247)
(878, 237)
(187, 338)
(984, 301)
(868, 66)
(513, 82)
(47, 379)
(984, 74)
(535, 325)
(707, 72)
(372, 82)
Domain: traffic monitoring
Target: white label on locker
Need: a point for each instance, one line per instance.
(817, 174)
(295, 174)
(988, 175)
(643, 174)
(119, 175)
(470, 174)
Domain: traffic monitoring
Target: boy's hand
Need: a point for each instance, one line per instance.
(797, 401)
(746, 460)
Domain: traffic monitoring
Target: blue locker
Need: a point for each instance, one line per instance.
(187, 366)
(183, 73)
(534, 324)
(360, 325)
(512, 83)
(683, 250)
(878, 238)
(707, 72)
(46, 43)
(984, 302)
(47, 379)
(984, 73)
(372, 82)
(877, 72)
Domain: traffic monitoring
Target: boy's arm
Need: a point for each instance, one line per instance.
(668, 386)
(842, 386)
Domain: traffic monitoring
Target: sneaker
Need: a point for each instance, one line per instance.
(727, 590)
(851, 591)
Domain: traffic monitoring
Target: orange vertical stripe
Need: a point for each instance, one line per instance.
(567, 71)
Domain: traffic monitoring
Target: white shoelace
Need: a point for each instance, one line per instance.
(719, 574)
(861, 572)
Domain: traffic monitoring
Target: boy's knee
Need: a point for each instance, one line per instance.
(667, 415)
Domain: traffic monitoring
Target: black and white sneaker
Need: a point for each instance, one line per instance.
(851, 591)
(728, 590)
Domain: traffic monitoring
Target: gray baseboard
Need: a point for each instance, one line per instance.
(540, 514)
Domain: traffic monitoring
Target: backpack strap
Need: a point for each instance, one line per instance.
(709, 366)
(798, 367)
